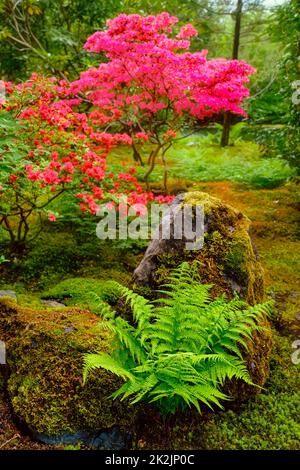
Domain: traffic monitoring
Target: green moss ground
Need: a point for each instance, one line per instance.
(240, 163)
(200, 158)
(85, 292)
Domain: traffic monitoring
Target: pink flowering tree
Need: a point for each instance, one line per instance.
(48, 148)
(150, 85)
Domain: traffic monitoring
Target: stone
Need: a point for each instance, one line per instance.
(111, 439)
(228, 260)
(8, 293)
(53, 304)
(45, 387)
(228, 256)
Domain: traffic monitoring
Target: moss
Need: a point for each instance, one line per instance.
(275, 232)
(83, 292)
(9, 307)
(235, 260)
(45, 383)
(270, 421)
(228, 251)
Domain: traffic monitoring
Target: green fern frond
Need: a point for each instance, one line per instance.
(104, 361)
(182, 347)
(142, 310)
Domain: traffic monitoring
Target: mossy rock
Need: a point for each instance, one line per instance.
(45, 356)
(228, 260)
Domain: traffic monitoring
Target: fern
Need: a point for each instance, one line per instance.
(183, 347)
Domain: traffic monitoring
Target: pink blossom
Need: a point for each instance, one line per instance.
(187, 31)
(50, 177)
(51, 217)
(142, 136)
(69, 167)
(170, 133)
(110, 205)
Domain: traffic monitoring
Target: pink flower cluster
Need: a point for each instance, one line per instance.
(65, 150)
(151, 75)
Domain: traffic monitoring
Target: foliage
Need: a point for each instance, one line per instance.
(52, 34)
(48, 148)
(199, 158)
(289, 14)
(278, 100)
(128, 95)
(3, 259)
(48, 36)
(67, 250)
(281, 142)
(182, 348)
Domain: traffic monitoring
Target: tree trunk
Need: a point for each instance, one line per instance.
(226, 130)
(237, 29)
(235, 53)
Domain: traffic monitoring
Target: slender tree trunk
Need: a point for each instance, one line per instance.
(226, 129)
(237, 29)
(235, 54)
(151, 162)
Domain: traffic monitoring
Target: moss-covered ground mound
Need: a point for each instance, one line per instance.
(44, 382)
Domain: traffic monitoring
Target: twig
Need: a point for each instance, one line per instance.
(9, 440)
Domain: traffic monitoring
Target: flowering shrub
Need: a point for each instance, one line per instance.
(55, 136)
(150, 84)
(47, 148)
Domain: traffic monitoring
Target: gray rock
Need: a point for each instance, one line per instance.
(8, 293)
(69, 329)
(227, 246)
(53, 304)
(110, 439)
(145, 272)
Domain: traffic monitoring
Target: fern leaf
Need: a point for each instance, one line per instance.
(104, 361)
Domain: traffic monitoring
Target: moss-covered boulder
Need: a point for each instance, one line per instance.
(44, 378)
(228, 260)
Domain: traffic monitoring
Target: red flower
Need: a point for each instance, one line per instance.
(13, 178)
(52, 217)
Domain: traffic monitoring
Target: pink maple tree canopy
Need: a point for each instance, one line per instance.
(149, 68)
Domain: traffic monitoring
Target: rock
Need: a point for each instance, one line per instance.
(228, 256)
(45, 358)
(111, 439)
(228, 260)
(8, 293)
(53, 304)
